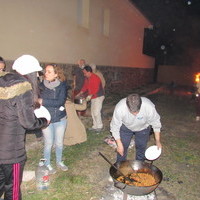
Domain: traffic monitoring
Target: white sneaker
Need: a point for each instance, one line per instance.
(110, 179)
(62, 166)
(51, 169)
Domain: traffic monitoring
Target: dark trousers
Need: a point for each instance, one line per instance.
(198, 105)
(10, 180)
(141, 139)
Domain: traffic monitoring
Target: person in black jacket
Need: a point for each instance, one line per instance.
(18, 94)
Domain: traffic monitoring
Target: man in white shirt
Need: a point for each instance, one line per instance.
(134, 115)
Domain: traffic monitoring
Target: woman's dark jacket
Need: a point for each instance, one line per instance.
(54, 100)
(16, 115)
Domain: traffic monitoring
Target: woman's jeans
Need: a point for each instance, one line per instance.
(141, 139)
(54, 135)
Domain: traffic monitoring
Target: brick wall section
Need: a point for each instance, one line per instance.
(122, 78)
(117, 78)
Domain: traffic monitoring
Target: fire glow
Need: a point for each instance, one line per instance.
(197, 77)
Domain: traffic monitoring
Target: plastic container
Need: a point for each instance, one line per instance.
(42, 176)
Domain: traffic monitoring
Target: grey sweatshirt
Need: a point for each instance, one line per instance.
(147, 116)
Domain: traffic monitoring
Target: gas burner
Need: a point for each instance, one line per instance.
(113, 193)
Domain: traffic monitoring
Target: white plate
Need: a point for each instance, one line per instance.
(152, 153)
(42, 112)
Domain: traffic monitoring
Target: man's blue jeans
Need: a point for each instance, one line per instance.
(141, 139)
(54, 135)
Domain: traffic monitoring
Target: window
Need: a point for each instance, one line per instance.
(83, 13)
(106, 22)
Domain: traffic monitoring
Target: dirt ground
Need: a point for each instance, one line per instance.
(178, 177)
(180, 155)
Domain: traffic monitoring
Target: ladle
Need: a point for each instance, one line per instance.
(126, 177)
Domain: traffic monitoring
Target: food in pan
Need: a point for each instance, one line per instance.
(139, 179)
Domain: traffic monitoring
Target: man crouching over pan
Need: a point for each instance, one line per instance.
(134, 115)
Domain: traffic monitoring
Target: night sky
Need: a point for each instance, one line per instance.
(176, 27)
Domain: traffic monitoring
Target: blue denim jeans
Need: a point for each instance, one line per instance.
(141, 139)
(54, 135)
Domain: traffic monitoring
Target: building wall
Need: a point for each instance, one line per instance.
(181, 75)
(105, 32)
(117, 78)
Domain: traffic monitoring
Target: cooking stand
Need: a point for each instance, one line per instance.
(125, 195)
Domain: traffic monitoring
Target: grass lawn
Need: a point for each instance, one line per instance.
(87, 176)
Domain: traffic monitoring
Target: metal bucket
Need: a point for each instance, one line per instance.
(78, 101)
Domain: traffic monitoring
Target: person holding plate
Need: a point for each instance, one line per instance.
(18, 94)
(134, 115)
(53, 95)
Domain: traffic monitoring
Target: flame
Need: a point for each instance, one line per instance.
(197, 77)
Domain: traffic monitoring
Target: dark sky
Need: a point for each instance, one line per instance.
(176, 27)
